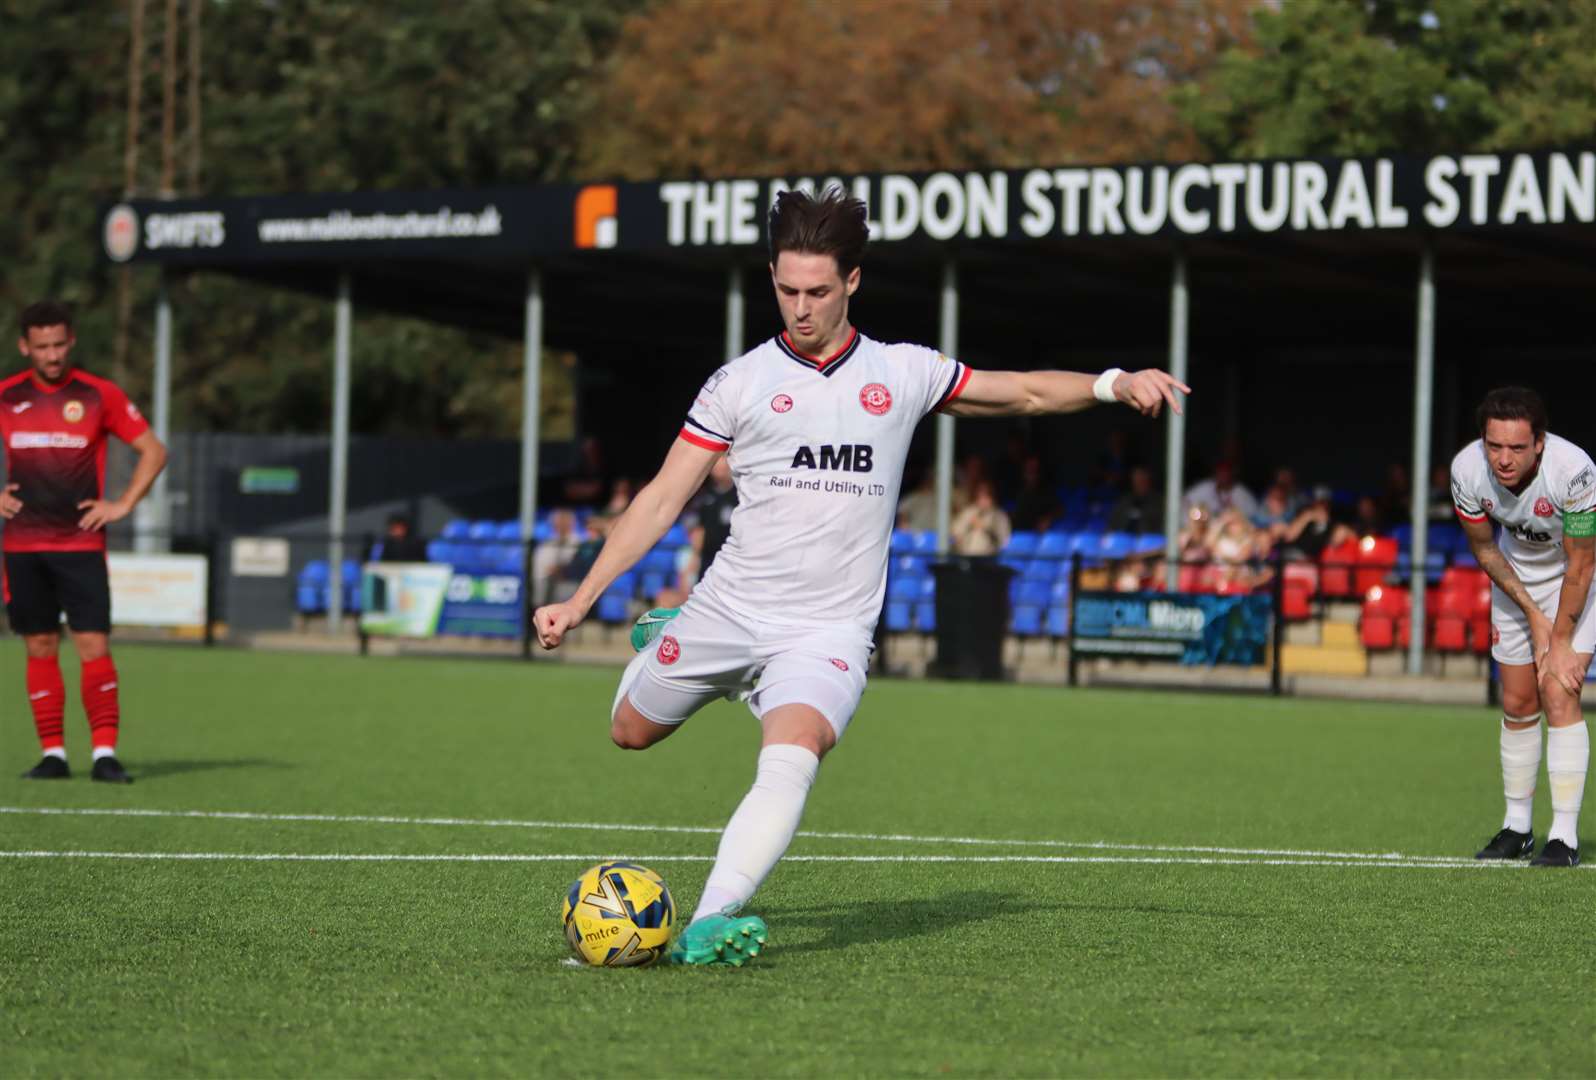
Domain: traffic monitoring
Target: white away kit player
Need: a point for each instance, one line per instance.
(816, 425)
(1541, 491)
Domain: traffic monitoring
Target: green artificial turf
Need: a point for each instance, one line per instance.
(1136, 959)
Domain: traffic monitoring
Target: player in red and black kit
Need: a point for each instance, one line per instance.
(54, 420)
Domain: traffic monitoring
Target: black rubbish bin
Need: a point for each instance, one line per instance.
(972, 617)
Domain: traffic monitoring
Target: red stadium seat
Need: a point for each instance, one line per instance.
(1336, 563)
(1376, 558)
(1463, 578)
(1302, 573)
(1450, 634)
(1377, 631)
(1480, 635)
(1296, 602)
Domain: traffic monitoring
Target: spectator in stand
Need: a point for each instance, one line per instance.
(1296, 498)
(1130, 575)
(918, 509)
(1195, 542)
(1222, 492)
(1275, 515)
(715, 506)
(550, 558)
(1141, 509)
(972, 474)
(1036, 506)
(1314, 529)
(982, 528)
(1369, 518)
(1235, 547)
(598, 527)
(399, 543)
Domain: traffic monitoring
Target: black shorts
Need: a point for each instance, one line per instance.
(40, 585)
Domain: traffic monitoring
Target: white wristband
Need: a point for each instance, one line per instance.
(1103, 388)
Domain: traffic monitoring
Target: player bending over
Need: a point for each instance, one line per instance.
(816, 425)
(1542, 491)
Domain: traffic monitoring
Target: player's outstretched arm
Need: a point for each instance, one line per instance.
(653, 510)
(1482, 542)
(1563, 665)
(1033, 393)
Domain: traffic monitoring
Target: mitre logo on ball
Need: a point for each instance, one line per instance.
(1544, 508)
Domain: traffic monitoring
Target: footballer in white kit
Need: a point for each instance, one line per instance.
(815, 425)
(1540, 491)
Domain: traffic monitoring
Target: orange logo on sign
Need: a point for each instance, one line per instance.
(596, 223)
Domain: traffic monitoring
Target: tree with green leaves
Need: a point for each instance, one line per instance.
(1322, 77)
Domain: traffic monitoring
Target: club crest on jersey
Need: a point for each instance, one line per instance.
(1543, 508)
(670, 650)
(72, 412)
(876, 399)
(781, 403)
(840, 665)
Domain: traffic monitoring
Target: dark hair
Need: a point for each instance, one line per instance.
(1513, 403)
(45, 313)
(832, 223)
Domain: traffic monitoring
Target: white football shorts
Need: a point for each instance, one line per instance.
(706, 652)
(1510, 632)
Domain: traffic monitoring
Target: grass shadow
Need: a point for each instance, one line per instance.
(879, 921)
(154, 770)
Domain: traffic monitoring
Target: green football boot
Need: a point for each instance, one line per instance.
(724, 940)
(650, 625)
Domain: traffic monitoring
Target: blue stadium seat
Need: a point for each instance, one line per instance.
(1149, 543)
(613, 607)
(925, 616)
(1021, 545)
(675, 536)
(1058, 620)
(508, 532)
(543, 531)
(903, 587)
(1043, 569)
(1055, 545)
(440, 551)
(902, 542)
(925, 542)
(483, 530)
(652, 584)
(1026, 621)
(310, 589)
(1116, 545)
(928, 588)
(661, 560)
(912, 565)
(456, 529)
(898, 617)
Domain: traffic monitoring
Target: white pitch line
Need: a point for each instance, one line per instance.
(595, 826)
(1158, 860)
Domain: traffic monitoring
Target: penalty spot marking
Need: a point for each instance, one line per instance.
(594, 826)
(1151, 860)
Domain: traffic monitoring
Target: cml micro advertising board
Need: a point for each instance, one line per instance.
(431, 599)
(1192, 628)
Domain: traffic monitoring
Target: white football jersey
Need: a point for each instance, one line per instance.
(1532, 521)
(816, 448)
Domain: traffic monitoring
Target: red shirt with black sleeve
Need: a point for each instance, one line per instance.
(54, 440)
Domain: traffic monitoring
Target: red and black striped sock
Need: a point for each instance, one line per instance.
(47, 696)
(100, 703)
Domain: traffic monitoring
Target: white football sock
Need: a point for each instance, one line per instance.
(1567, 759)
(56, 752)
(762, 827)
(1521, 764)
(104, 751)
